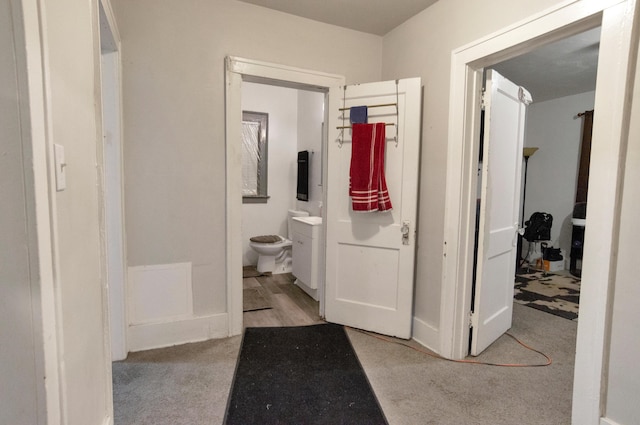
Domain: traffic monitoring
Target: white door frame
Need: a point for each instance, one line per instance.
(108, 39)
(611, 102)
(35, 126)
(236, 70)
(113, 181)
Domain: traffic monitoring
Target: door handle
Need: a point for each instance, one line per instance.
(405, 233)
(519, 231)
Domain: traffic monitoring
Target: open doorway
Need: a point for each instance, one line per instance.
(282, 179)
(393, 273)
(563, 90)
(240, 71)
(557, 148)
(608, 141)
(554, 132)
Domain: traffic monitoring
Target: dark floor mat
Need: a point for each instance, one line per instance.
(300, 375)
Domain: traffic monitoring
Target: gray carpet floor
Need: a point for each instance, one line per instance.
(189, 384)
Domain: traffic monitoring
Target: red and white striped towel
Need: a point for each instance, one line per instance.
(367, 183)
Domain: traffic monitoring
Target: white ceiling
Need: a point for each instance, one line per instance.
(371, 16)
(559, 69)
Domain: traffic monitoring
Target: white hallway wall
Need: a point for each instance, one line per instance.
(310, 118)
(271, 218)
(555, 128)
(174, 128)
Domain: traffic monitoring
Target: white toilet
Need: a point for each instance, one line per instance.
(274, 251)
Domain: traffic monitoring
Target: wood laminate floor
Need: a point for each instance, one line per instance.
(290, 305)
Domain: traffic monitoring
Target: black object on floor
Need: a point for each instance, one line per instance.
(300, 375)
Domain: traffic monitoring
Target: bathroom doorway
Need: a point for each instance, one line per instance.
(239, 72)
(295, 124)
(292, 126)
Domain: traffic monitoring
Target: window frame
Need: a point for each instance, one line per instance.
(262, 195)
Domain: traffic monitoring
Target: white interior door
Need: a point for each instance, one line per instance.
(369, 267)
(505, 110)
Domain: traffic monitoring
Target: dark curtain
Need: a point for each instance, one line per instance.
(585, 155)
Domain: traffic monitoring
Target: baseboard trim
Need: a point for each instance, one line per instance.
(426, 335)
(166, 334)
(607, 421)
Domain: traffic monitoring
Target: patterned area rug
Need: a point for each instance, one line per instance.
(551, 293)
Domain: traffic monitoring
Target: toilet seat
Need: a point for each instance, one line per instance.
(266, 239)
(271, 246)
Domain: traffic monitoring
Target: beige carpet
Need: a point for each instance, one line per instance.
(189, 384)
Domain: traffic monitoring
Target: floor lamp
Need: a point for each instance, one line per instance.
(526, 153)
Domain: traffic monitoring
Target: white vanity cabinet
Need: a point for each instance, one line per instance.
(306, 253)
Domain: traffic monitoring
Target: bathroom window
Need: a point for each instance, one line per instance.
(255, 136)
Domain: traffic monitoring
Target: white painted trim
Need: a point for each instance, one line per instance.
(611, 99)
(47, 122)
(607, 421)
(425, 334)
(577, 13)
(30, 52)
(238, 69)
(102, 29)
(166, 334)
(111, 19)
(108, 420)
(606, 172)
(233, 115)
(281, 73)
(114, 204)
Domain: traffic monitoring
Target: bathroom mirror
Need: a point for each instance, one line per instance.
(255, 137)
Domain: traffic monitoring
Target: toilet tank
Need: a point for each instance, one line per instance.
(291, 214)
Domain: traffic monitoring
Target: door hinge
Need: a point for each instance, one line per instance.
(482, 99)
(472, 318)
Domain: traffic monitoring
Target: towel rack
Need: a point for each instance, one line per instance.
(380, 105)
(372, 106)
(340, 127)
